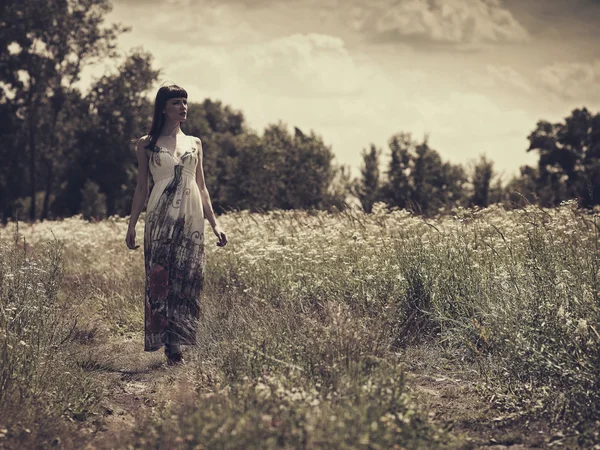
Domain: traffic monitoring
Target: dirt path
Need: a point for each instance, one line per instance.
(134, 383)
(456, 404)
(139, 384)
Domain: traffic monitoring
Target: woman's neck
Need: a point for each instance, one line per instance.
(171, 130)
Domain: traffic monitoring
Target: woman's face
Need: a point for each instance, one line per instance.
(176, 109)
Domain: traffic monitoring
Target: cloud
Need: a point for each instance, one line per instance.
(178, 23)
(300, 62)
(309, 64)
(312, 81)
(503, 76)
(457, 22)
(300, 65)
(572, 80)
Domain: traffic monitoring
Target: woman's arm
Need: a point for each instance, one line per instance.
(205, 196)
(141, 192)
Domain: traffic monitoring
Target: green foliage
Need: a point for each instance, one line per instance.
(22, 205)
(435, 184)
(568, 167)
(305, 170)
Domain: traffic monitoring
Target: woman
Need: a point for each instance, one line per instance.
(174, 226)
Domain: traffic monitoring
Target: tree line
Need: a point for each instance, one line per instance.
(66, 152)
(417, 179)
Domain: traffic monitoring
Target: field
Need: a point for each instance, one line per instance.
(478, 329)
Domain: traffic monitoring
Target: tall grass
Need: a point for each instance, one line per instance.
(39, 381)
(307, 314)
(275, 376)
(516, 290)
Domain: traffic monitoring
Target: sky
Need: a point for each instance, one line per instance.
(475, 76)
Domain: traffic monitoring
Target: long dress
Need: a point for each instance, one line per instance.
(173, 250)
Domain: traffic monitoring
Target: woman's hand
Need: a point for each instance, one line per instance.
(220, 234)
(130, 239)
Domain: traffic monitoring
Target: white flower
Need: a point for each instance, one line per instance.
(582, 328)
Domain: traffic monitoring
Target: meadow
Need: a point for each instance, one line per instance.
(318, 330)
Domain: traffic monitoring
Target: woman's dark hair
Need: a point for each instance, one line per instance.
(162, 96)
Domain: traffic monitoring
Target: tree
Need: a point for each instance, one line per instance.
(303, 167)
(93, 202)
(44, 47)
(483, 173)
(118, 110)
(436, 184)
(12, 182)
(569, 158)
(223, 132)
(254, 185)
(308, 172)
(275, 170)
(398, 190)
(418, 179)
(367, 188)
(522, 189)
(339, 190)
(454, 185)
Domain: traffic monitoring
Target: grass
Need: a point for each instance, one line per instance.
(311, 323)
(40, 382)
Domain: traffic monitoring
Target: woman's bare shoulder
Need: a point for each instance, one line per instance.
(144, 139)
(196, 140)
(143, 142)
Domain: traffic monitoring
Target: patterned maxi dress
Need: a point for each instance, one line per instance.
(173, 250)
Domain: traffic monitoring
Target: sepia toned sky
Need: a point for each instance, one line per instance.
(476, 75)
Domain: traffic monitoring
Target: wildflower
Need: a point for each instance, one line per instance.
(582, 328)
